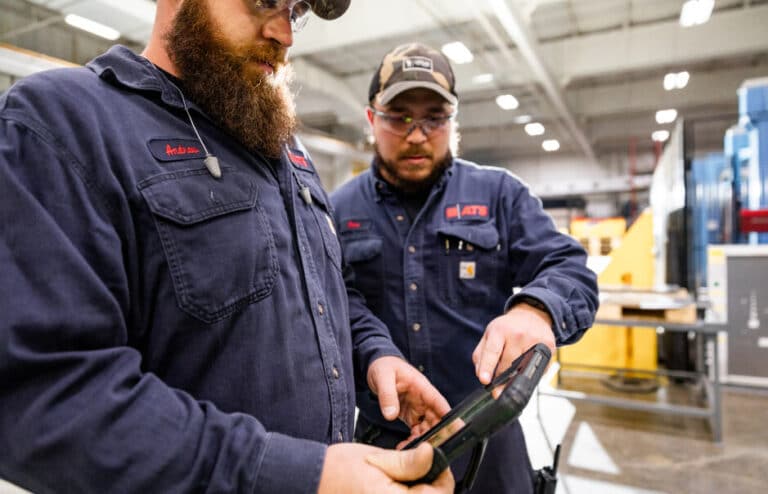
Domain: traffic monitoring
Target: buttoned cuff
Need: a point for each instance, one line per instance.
(537, 297)
(290, 465)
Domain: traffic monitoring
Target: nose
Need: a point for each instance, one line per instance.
(278, 28)
(417, 135)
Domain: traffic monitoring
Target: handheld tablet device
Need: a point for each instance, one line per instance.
(485, 411)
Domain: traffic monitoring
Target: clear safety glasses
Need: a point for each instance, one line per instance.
(403, 125)
(299, 11)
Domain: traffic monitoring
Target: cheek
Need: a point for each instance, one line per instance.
(386, 143)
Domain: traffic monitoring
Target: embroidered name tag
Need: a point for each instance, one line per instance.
(355, 225)
(300, 160)
(175, 149)
(466, 211)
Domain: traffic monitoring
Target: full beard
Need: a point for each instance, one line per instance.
(255, 107)
(411, 186)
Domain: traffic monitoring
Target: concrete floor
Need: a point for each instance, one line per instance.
(607, 450)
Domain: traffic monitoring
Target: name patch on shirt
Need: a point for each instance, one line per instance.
(299, 160)
(356, 225)
(175, 149)
(466, 211)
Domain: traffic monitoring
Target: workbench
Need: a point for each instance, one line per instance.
(703, 375)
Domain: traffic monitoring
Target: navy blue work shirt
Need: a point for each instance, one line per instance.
(163, 330)
(438, 280)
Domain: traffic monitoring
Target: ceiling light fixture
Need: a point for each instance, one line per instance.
(482, 79)
(92, 27)
(676, 80)
(666, 116)
(507, 102)
(550, 145)
(458, 52)
(660, 135)
(522, 119)
(534, 129)
(696, 12)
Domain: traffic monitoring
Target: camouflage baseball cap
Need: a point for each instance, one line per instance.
(410, 66)
(329, 9)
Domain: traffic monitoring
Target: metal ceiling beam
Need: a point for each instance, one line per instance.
(517, 29)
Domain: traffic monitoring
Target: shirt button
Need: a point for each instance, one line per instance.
(341, 437)
(400, 217)
(421, 368)
(470, 247)
(412, 249)
(414, 287)
(336, 373)
(320, 309)
(564, 325)
(416, 327)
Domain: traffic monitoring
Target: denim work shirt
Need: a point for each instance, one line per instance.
(438, 280)
(163, 330)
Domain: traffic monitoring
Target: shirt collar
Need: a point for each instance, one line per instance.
(121, 66)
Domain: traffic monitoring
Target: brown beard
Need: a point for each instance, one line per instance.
(409, 186)
(255, 107)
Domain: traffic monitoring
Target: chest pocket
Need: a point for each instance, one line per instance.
(470, 262)
(363, 252)
(217, 240)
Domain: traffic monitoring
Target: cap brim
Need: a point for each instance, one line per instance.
(329, 9)
(389, 94)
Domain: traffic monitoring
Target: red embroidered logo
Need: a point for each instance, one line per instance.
(298, 160)
(354, 225)
(467, 211)
(180, 150)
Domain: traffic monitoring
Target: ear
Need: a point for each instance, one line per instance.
(369, 115)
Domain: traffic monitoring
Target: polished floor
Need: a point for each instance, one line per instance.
(607, 450)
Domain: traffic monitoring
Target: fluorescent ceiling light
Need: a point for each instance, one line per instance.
(522, 119)
(458, 52)
(676, 80)
(92, 27)
(696, 12)
(507, 102)
(660, 135)
(550, 145)
(482, 78)
(666, 116)
(534, 129)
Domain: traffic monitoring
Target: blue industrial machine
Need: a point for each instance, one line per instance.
(752, 186)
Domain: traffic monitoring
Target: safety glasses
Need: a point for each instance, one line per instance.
(299, 11)
(403, 125)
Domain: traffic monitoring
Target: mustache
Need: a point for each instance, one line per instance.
(414, 151)
(270, 54)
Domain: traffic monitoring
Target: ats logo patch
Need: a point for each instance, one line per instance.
(175, 149)
(466, 211)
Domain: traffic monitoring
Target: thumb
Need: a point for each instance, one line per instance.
(410, 464)
(386, 390)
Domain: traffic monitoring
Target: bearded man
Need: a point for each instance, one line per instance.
(174, 313)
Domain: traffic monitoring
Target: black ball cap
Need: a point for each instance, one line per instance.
(329, 9)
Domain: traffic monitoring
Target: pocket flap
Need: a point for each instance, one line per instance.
(483, 235)
(192, 196)
(363, 249)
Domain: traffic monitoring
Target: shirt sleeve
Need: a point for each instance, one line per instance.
(370, 337)
(78, 414)
(547, 265)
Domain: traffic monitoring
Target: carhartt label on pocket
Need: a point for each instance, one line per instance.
(467, 270)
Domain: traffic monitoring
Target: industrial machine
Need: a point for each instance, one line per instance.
(738, 292)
